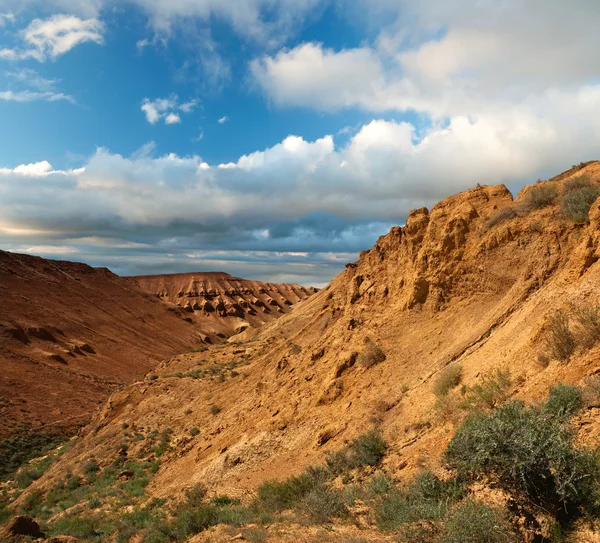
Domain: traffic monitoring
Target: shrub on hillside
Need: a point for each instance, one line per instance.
(448, 379)
(539, 196)
(503, 215)
(365, 450)
(280, 495)
(560, 341)
(427, 498)
(527, 449)
(372, 355)
(587, 320)
(492, 390)
(580, 194)
(475, 522)
(564, 401)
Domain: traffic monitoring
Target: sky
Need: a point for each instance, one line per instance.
(275, 139)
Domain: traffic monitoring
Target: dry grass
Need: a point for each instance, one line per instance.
(372, 355)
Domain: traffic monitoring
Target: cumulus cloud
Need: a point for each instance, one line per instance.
(50, 38)
(166, 108)
(443, 59)
(298, 196)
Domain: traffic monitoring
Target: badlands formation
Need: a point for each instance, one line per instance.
(459, 311)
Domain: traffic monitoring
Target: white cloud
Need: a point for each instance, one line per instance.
(53, 37)
(440, 58)
(32, 79)
(33, 87)
(223, 120)
(172, 118)
(166, 108)
(31, 96)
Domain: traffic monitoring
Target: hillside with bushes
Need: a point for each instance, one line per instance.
(444, 388)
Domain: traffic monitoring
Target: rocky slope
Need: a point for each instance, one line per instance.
(223, 305)
(474, 282)
(70, 334)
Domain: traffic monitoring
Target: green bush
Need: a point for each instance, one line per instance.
(539, 196)
(564, 401)
(215, 409)
(428, 498)
(365, 450)
(372, 355)
(560, 341)
(448, 379)
(475, 522)
(280, 495)
(322, 504)
(492, 390)
(527, 449)
(194, 432)
(580, 194)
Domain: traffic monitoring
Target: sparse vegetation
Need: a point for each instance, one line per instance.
(365, 450)
(448, 379)
(475, 522)
(580, 194)
(372, 355)
(528, 449)
(428, 498)
(215, 409)
(194, 432)
(560, 341)
(492, 390)
(503, 215)
(587, 320)
(540, 196)
(564, 401)
(22, 447)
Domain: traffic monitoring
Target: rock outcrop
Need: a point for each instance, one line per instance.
(223, 305)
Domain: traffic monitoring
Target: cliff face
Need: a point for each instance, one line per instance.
(70, 334)
(474, 281)
(223, 305)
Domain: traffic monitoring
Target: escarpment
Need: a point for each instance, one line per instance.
(473, 284)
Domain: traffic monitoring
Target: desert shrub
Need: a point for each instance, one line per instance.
(539, 196)
(580, 194)
(280, 495)
(448, 379)
(560, 341)
(587, 319)
(379, 485)
(91, 467)
(365, 450)
(503, 215)
(194, 432)
(27, 476)
(322, 504)
(372, 355)
(22, 447)
(428, 498)
(564, 400)
(475, 522)
(215, 409)
(492, 390)
(527, 449)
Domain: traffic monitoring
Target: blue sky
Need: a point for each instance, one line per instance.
(274, 139)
